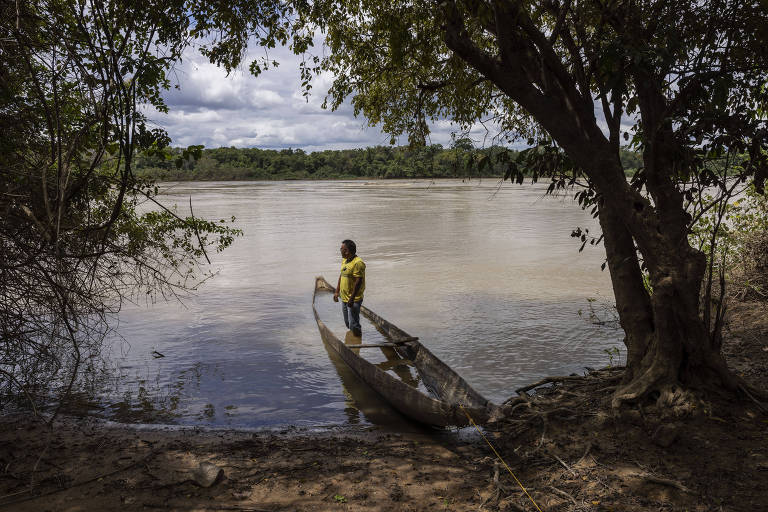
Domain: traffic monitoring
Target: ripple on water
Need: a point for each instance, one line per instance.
(488, 278)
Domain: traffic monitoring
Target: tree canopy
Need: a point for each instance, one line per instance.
(689, 77)
(76, 241)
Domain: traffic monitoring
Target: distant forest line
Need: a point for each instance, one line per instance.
(385, 162)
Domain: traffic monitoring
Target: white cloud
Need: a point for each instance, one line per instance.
(210, 108)
(269, 111)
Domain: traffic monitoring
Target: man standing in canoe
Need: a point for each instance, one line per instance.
(351, 286)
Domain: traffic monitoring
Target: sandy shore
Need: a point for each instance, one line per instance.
(87, 464)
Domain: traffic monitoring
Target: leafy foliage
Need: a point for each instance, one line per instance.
(432, 161)
(736, 238)
(80, 232)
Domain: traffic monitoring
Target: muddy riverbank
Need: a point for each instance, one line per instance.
(707, 456)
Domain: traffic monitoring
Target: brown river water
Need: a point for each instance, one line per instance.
(486, 275)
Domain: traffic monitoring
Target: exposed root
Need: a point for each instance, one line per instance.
(547, 380)
(493, 499)
(543, 434)
(564, 399)
(747, 390)
(575, 418)
(514, 401)
(559, 410)
(512, 505)
(717, 378)
(586, 452)
(526, 404)
(639, 387)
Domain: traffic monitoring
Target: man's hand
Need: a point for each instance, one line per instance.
(350, 302)
(336, 296)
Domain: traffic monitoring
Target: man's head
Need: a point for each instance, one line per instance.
(348, 249)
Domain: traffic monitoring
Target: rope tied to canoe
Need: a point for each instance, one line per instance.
(472, 422)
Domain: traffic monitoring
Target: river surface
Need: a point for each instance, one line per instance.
(486, 275)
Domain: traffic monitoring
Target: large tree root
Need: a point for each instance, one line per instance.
(661, 380)
(549, 433)
(655, 378)
(563, 399)
(565, 396)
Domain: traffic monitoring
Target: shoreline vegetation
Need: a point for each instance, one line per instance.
(379, 162)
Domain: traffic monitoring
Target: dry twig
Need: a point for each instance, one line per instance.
(558, 459)
(564, 494)
(665, 481)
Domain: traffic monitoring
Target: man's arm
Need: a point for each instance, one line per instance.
(336, 292)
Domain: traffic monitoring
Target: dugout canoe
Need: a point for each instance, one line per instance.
(450, 397)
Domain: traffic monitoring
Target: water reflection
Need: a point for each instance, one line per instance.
(489, 280)
(399, 366)
(361, 398)
(392, 363)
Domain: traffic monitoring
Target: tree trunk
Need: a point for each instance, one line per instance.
(632, 302)
(668, 344)
(678, 353)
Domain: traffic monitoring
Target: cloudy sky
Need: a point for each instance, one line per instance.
(268, 112)
(210, 108)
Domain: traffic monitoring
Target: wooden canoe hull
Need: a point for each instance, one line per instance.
(456, 396)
